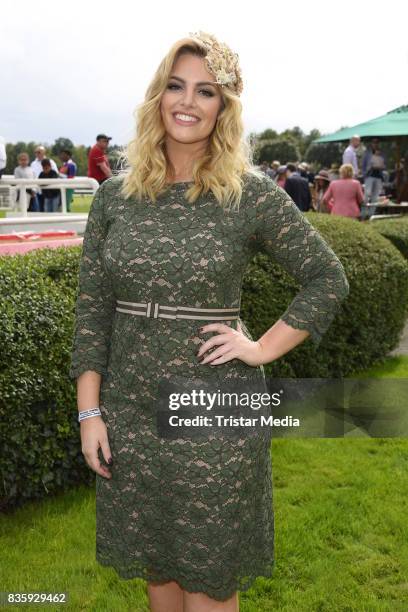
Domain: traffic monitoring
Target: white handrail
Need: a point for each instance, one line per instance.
(55, 183)
(41, 218)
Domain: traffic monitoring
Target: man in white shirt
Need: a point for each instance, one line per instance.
(350, 155)
(36, 164)
(37, 168)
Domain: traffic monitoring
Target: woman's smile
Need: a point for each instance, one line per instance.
(185, 119)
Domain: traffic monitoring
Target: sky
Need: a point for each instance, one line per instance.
(77, 68)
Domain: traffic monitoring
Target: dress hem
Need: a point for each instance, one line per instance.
(185, 584)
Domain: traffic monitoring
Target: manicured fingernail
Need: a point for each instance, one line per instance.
(201, 329)
(110, 461)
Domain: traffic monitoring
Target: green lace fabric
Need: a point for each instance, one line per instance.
(198, 512)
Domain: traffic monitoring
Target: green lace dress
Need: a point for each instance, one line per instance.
(197, 512)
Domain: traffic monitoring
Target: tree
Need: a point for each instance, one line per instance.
(13, 150)
(313, 135)
(324, 154)
(296, 133)
(290, 145)
(60, 144)
(280, 149)
(80, 157)
(268, 135)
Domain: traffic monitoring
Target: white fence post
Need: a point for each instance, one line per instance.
(22, 199)
(64, 199)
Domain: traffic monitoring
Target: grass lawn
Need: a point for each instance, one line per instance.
(341, 536)
(392, 367)
(341, 533)
(81, 203)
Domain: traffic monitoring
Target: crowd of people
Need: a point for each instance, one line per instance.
(47, 199)
(345, 191)
(43, 167)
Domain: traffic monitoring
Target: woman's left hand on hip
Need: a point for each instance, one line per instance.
(231, 343)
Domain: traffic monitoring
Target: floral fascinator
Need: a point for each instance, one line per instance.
(221, 61)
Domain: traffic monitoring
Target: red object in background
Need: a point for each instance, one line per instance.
(22, 236)
(19, 243)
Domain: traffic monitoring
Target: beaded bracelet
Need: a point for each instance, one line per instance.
(86, 414)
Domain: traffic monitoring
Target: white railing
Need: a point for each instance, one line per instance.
(402, 208)
(62, 184)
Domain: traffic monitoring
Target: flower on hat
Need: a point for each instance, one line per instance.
(221, 61)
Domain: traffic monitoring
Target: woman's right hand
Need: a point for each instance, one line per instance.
(94, 435)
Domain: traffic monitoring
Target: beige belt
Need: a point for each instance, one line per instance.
(154, 310)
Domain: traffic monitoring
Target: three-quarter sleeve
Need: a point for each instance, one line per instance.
(288, 237)
(95, 302)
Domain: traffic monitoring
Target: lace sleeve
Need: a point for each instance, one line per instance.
(95, 303)
(286, 235)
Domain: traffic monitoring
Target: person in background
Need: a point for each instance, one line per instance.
(40, 154)
(346, 194)
(98, 163)
(68, 170)
(298, 188)
(3, 156)
(266, 168)
(275, 165)
(280, 178)
(304, 171)
(310, 175)
(24, 171)
(51, 196)
(321, 185)
(373, 166)
(36, 165)
(334, 174)
(398, 178)
(350, 154)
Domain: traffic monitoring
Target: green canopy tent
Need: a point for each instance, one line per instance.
(393, 123)
(391, 126)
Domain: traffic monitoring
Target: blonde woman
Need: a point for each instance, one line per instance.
(345, 194)
(165, 249)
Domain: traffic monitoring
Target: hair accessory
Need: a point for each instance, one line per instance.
(221, 61)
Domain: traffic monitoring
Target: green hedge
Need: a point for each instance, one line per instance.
(370, 320)
(395, 230)
(39, 432)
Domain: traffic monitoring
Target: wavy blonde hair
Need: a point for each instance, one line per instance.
(221, 169)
